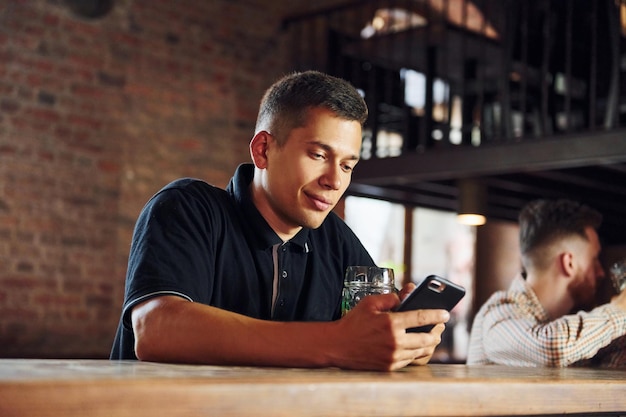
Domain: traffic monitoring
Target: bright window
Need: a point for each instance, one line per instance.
(380, 227)
(440, 246)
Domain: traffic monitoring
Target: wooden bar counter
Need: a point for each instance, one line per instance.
(37, 388)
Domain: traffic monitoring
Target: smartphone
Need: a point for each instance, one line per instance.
(433, 292)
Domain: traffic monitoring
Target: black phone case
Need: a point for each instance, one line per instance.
(433, 292)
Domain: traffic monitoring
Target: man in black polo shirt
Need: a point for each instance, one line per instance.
(252, 275)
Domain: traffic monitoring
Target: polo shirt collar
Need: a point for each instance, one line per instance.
(239, 189)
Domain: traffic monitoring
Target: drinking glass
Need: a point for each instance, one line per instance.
(618, 275)
(361, 281)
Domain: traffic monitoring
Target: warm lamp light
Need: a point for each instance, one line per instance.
(471, 202)
(471, 219)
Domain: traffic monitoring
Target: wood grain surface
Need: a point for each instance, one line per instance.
(32, 387)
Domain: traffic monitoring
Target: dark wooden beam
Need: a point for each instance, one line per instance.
(603, 148)
(409, 197)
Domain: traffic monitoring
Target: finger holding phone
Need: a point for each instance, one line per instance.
(416, 324)
(433, 292)
(373, 337)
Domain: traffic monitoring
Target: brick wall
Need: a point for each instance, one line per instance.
(95, 116)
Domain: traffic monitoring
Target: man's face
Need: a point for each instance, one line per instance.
(306, 177)
(589, 270)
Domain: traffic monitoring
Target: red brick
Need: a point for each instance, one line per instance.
(48, 300)
(77, 75)
(17, 282)
(45, 115)
(86, 122)
(9, 105)
(8, 313)
(87, 91)
(51, 20)
(81, 29)
(190, 145)
(109, 166)
(127, 39)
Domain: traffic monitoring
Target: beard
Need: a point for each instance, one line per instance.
(583, 292)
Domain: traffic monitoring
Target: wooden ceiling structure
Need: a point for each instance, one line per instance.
(590, 169)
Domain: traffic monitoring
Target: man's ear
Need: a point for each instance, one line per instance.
(258, 148)
(567, 263)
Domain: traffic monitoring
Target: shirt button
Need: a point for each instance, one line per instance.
(284, 274)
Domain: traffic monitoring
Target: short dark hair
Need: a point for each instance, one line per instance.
(286, 103)
(543, 222)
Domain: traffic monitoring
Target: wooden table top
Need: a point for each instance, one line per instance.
(33, 387)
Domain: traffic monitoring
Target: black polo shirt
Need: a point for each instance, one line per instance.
(212, 246)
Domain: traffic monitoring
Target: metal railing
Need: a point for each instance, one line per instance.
(465, 73)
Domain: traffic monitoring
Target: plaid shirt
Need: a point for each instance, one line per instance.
(512, 328)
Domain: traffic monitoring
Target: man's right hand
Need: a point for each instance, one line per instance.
(374, 338)
(620, 300)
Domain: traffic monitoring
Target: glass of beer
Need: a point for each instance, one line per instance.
(618, 275)
(361, 281)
